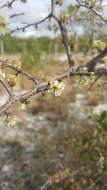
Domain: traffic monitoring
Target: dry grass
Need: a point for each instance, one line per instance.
(57, 141)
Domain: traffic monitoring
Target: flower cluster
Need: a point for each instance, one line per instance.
(2, 73)
(12, 79)
(104, 60)
(56, 87)
(11, 121)
(99, 45)
(3, 24)
(61, 175)
(24, 104)
(64, 18)
(15, 63)
(86, 80)
(18, 65)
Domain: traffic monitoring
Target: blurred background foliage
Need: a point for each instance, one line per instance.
(32, 49)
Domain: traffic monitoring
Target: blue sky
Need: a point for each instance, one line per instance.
(34, 10)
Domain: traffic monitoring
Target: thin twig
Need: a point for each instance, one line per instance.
(91, 64)
(65, 41)
(8, 4)
(6, 86)
(23, 28)
(43, 86)
(16, 15)
(30, 77)
(92, 9)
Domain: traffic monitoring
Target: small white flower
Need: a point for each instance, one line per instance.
(2, 74)
(56, 87)
(11, 121)
(101, 161)
(98, 44)
(23, 106)
(4, 21)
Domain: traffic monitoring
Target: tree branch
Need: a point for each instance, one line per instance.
(16, 15)
(23, 28)
(65, 41)
(44, 86)
(91, 64)
(92, 9)
(6, 86)
(8, 4)
(30, 77)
